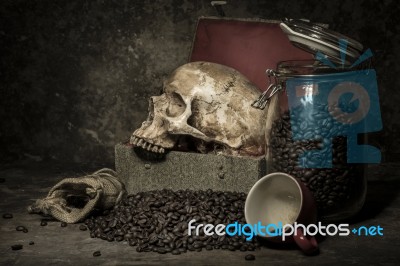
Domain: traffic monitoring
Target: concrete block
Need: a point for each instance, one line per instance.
(182, 170)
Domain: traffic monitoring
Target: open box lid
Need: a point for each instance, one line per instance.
(250, 46)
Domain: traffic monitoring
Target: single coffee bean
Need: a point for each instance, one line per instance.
(25, 230)
(250, 248)
(198, 245)
(104, 236)
(43, 223)
(82, 227)
(133, 242)
(20, 228)
(7, 216)
(63, 224)
(16, 247)
(140, 249)
(249, 257)
(96, 253)
(236, 244)
(175, 252)
(31, 243)
(231, 248)
(161, 250)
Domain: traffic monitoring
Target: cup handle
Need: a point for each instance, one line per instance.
(308, 244)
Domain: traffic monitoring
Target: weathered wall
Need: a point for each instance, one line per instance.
(76, 75)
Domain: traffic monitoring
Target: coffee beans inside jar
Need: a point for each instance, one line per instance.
(333, 188)
(158, 221)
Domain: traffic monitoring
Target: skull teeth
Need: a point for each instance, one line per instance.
(138, 142)
(154, 149)
(134, 140)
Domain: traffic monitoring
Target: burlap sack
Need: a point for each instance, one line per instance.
(72, 199)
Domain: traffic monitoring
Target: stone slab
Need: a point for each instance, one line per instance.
(183, 170)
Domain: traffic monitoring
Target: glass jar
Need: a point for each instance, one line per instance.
(316, 117)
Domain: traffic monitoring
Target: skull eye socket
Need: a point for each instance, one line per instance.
(176, 105)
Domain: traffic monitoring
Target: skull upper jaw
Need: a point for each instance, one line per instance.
(149, 137)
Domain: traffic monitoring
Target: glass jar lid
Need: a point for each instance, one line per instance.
(313, 38)
(295, 68)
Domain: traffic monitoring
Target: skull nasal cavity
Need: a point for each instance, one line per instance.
(176, 105)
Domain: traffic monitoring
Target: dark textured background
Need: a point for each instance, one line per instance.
(76, 75)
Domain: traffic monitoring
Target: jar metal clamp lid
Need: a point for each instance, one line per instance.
(329, 47)
(313, 38)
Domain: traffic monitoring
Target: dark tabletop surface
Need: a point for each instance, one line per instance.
(22, 183)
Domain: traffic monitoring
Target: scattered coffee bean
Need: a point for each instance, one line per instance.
(64, 224)
(25, 230)
(7, 216)
(16, 247)
(43, 223)
(20, 228)
(82, 227)
(96, 254)
(31, 243)
(249, 257)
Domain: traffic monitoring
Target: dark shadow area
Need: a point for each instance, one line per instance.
(148, 155)
(380, 194)
(290, 245)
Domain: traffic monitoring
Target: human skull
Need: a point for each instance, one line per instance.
(211, 104)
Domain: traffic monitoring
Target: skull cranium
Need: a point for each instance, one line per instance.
(211, 104)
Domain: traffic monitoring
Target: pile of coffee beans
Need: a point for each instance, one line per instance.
(332, 187)
(158, 221)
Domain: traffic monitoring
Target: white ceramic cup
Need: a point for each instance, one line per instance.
(280, 198)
